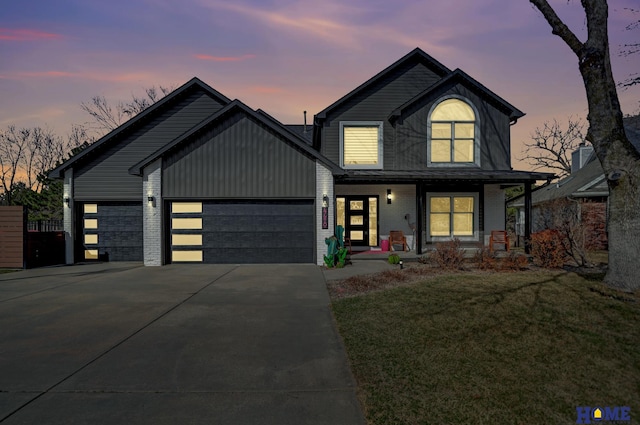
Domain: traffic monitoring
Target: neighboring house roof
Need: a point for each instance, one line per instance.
(632, 128)
(415, 55)
(589, 181)
(459, 76)
(115, 134)
(582, 183)
(234, 106)
(448, 174)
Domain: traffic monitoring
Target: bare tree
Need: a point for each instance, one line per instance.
(619, 159)
(108, 117)
(79, 139)
(26, 154)
(551, 146)
(12, 146)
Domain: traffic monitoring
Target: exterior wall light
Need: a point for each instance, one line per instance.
(388, 196)
(152, 199)
(325, 200)
(66, 200)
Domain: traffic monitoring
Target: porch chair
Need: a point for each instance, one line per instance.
(396, 237)
(499, 237)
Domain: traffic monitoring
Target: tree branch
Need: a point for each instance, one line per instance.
(558, 27)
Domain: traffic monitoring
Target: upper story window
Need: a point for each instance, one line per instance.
(453, 139)
(361, 144)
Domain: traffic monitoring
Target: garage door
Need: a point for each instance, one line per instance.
(242, 232)
(114, 229)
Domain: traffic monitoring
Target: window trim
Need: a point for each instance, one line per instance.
(379, 165)
(476, 216)
(476, 135)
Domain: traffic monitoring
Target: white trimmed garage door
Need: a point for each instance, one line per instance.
(242, 232)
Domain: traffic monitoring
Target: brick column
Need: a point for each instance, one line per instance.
(152, 213)
(67, 211)
(324, 186)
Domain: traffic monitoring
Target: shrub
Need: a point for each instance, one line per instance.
(547, 249)
(394, 259)
(515, 261)
(448, 255)
(485, 259)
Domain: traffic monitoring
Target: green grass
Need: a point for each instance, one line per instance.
(499, 348)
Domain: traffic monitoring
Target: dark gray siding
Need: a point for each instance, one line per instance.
(405, 142)
(238, 158)
(119, 231)
(407, 149)
(106, 177)
(376, 105)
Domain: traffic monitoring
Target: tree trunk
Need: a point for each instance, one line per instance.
(619, 159)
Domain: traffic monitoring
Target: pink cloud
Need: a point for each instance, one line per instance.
(223, 58)
(8, 34)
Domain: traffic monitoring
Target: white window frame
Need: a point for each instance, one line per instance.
(476, 216)
(380, 125)
(476, 136)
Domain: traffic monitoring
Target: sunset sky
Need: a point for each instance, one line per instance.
(289, 56)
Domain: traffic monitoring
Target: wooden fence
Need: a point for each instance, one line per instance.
(13, 222)
(23, 247)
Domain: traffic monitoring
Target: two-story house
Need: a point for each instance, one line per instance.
(198, 177)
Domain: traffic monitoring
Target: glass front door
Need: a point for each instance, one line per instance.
(359, 217)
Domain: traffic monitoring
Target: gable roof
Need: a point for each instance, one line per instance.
(579, 184)
(259, 115)
(459, 76)
(416, 54)
(588, 181)
(123, 129)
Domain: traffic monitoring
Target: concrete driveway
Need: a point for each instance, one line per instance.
(118, 343)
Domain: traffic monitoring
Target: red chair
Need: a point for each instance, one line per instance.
(499, 237)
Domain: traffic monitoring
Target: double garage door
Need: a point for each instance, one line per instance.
(241, 232)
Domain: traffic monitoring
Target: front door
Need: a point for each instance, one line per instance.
(360, 219)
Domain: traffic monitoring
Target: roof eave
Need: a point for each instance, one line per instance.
(58, 172)
(415, 53)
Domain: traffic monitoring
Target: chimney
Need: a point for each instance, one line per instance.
(580, 157)
(305, 121)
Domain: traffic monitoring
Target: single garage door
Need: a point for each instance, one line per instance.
(113, 229)
(242, 232)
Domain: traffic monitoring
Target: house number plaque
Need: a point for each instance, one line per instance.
(325, 217)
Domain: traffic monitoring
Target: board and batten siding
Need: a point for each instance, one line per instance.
(238, 158)
(106, 176)
(376, 104)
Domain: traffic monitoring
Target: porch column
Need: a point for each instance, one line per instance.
(419, 210)
(527, 217)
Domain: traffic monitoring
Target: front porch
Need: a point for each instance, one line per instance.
(426, 210)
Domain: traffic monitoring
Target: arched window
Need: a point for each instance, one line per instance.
(453, 134)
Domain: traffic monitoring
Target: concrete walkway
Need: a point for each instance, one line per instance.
(119, 343)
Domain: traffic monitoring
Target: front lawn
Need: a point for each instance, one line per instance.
(492, 348)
